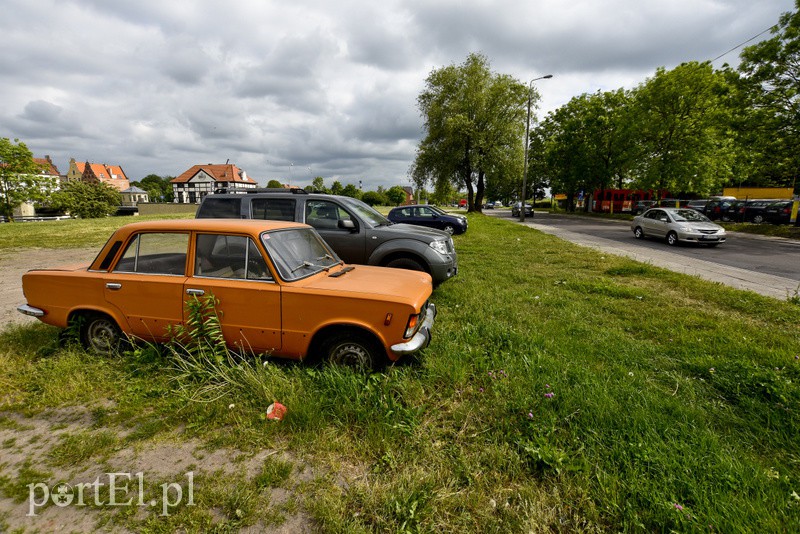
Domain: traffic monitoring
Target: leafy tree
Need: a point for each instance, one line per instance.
(396, 195)
(351, 190)
(158, 189)
(20, 178)
(274, 184)
(87, 200)
(474, 120)
(336, 188)
(374, 198)
(318, 184)
(681, 116)
(771, 73)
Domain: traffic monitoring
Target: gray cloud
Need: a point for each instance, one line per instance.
(314, 88)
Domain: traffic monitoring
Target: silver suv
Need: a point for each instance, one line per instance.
(354, 230)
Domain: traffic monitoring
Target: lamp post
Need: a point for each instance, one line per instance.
(527, 141)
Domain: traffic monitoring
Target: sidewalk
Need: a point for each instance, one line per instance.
(763, 284)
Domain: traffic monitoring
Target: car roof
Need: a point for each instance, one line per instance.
(211, 225)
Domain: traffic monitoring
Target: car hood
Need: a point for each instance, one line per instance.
(402, 285)
(701, 225)
(402, 230)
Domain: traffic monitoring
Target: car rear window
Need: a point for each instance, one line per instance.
(220, 208)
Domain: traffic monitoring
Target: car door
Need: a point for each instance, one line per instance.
(427, 217)
(654, 224)
(339, 228)
(146, 284)
(232, 270)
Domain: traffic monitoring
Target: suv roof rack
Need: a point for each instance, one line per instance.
(252, 190)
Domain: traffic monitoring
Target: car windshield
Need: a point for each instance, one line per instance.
(440, 211)
(366, 212)
(298, 252)
(688, 215)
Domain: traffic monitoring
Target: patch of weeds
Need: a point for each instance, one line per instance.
(274, 473)
(74, 449)
(17, 488)
(9, 443)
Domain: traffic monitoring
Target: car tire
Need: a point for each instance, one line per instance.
(758, 219)
(354, 350)
(100, 335)
(672, 239)
(406, 263)
(449, 229)
(638, 233)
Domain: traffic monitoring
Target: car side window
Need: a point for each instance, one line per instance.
(221, 208)
(325, 215)
(229, 256)
(155, 253)
(276, 209)
(425, 213)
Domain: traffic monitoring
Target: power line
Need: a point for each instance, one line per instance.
(744, 43)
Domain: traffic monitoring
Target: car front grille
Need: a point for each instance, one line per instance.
(708, 231)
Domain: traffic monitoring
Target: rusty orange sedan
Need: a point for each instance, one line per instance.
(280, 290)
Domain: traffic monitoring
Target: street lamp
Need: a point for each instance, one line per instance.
(527, 141)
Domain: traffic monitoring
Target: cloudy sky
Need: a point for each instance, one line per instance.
(301, 88)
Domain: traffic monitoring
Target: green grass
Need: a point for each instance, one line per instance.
(564, 390)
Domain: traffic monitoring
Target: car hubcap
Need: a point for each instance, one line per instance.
(102, 337)
(350, 355)
(449, 229)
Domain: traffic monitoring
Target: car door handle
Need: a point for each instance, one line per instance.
(113, 286)
(195, 292)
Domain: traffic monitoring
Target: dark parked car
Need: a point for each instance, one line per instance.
(698, 205)
(779, 212)
(672, 203)
(515, 210)
(642, 206)
(430, 216)
(753, 210)
(354, 230)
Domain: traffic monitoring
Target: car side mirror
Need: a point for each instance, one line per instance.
(347, 224)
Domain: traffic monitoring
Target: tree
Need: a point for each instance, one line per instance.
(318, 185)
(681, 118)
(158, 189)
(771, 72)
(87, 200)
(20, 178)
(374, 198)
(351, 191)
(336, 188)
(274, 184)
(396, 195)
(474, 120)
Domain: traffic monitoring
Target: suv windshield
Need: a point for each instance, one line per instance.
(366, 212)
(298, 252)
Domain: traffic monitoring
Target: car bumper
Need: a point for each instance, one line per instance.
(702, 238)
(421, 339)
(30, 310)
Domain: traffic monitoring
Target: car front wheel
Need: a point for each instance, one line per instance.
(758, 219)
(406, 263)
(353, 350)
(672, 239)
(100, 335)
(638, 233)
(449, 229)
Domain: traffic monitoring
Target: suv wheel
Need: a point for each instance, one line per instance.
(406, 263)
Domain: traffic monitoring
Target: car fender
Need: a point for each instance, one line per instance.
(400, 247)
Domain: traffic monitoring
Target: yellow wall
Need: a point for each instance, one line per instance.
(758, 192)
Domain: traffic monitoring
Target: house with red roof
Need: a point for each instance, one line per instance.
(200, 180)
(112, 175)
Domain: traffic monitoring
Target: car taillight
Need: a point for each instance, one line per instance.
(787, 211)
(411, 327)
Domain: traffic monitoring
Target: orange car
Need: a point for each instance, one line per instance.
(281, 290)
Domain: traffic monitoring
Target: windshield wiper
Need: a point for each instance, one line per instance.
(309, 264)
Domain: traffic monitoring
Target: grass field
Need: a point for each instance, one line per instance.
(564, 390)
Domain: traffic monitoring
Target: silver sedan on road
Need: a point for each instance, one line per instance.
(678, 225)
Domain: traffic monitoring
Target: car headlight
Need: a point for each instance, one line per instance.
(439, 246)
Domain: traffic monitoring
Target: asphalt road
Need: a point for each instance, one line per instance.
(769, 266)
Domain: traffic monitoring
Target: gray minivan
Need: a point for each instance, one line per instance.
(355, 231)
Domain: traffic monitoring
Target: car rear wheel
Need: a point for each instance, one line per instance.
(100, 335)
(449, 229)
(758, 219)
(354, 350)
(672, 239)
(638, 233)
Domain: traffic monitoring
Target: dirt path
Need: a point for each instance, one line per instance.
(15, 262)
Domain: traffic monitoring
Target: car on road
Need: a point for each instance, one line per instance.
(677, 225)
(278, 288)
(357, 232)
(429, 216)
(515, 210)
